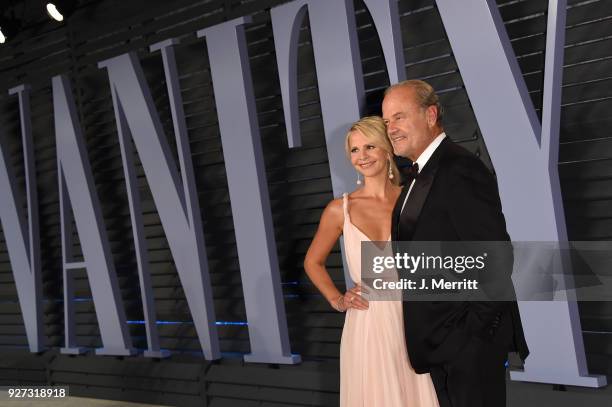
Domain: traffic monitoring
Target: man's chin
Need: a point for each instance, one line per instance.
(400, 152)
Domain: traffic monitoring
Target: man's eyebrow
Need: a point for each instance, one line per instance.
(393, 116)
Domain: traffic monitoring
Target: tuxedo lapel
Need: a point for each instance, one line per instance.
(406, 221)
(410, 215)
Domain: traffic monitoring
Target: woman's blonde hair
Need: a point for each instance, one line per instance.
(373, 128)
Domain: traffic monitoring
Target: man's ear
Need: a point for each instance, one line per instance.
(431, 114)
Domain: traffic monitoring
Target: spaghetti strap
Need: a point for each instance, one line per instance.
(345, 206)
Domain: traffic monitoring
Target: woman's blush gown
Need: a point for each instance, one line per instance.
(374, 367)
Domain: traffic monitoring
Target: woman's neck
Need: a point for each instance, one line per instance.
(378, 187)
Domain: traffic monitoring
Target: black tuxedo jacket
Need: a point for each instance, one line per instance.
(454, 198)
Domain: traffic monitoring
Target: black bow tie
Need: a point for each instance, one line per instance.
(409, 173)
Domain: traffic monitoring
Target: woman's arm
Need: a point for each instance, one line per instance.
(328, 232)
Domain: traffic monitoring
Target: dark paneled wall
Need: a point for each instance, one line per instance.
(298, 181)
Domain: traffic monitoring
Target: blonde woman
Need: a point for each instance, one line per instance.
(374, 366)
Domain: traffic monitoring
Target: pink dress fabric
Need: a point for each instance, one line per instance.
(374, 367)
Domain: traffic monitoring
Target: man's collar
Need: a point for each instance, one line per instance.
(428, 152)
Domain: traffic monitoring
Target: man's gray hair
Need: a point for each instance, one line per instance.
(425, 94)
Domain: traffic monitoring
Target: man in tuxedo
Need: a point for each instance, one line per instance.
(450, 196)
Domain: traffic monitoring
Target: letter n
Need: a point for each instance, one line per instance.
(175, 199)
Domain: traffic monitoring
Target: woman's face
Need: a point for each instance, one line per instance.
(366, 157)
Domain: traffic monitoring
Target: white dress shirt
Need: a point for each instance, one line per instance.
(422, 160)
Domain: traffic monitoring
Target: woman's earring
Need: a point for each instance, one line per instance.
(390, 171)
(358, 179)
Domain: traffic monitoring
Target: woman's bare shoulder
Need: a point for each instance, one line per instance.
(334, 208)
(333, 214)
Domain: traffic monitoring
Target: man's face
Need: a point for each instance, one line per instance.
(409, 126)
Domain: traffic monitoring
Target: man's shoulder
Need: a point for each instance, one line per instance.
(453, 152)
(459, 160)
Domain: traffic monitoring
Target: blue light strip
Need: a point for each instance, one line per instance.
(141, 322)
